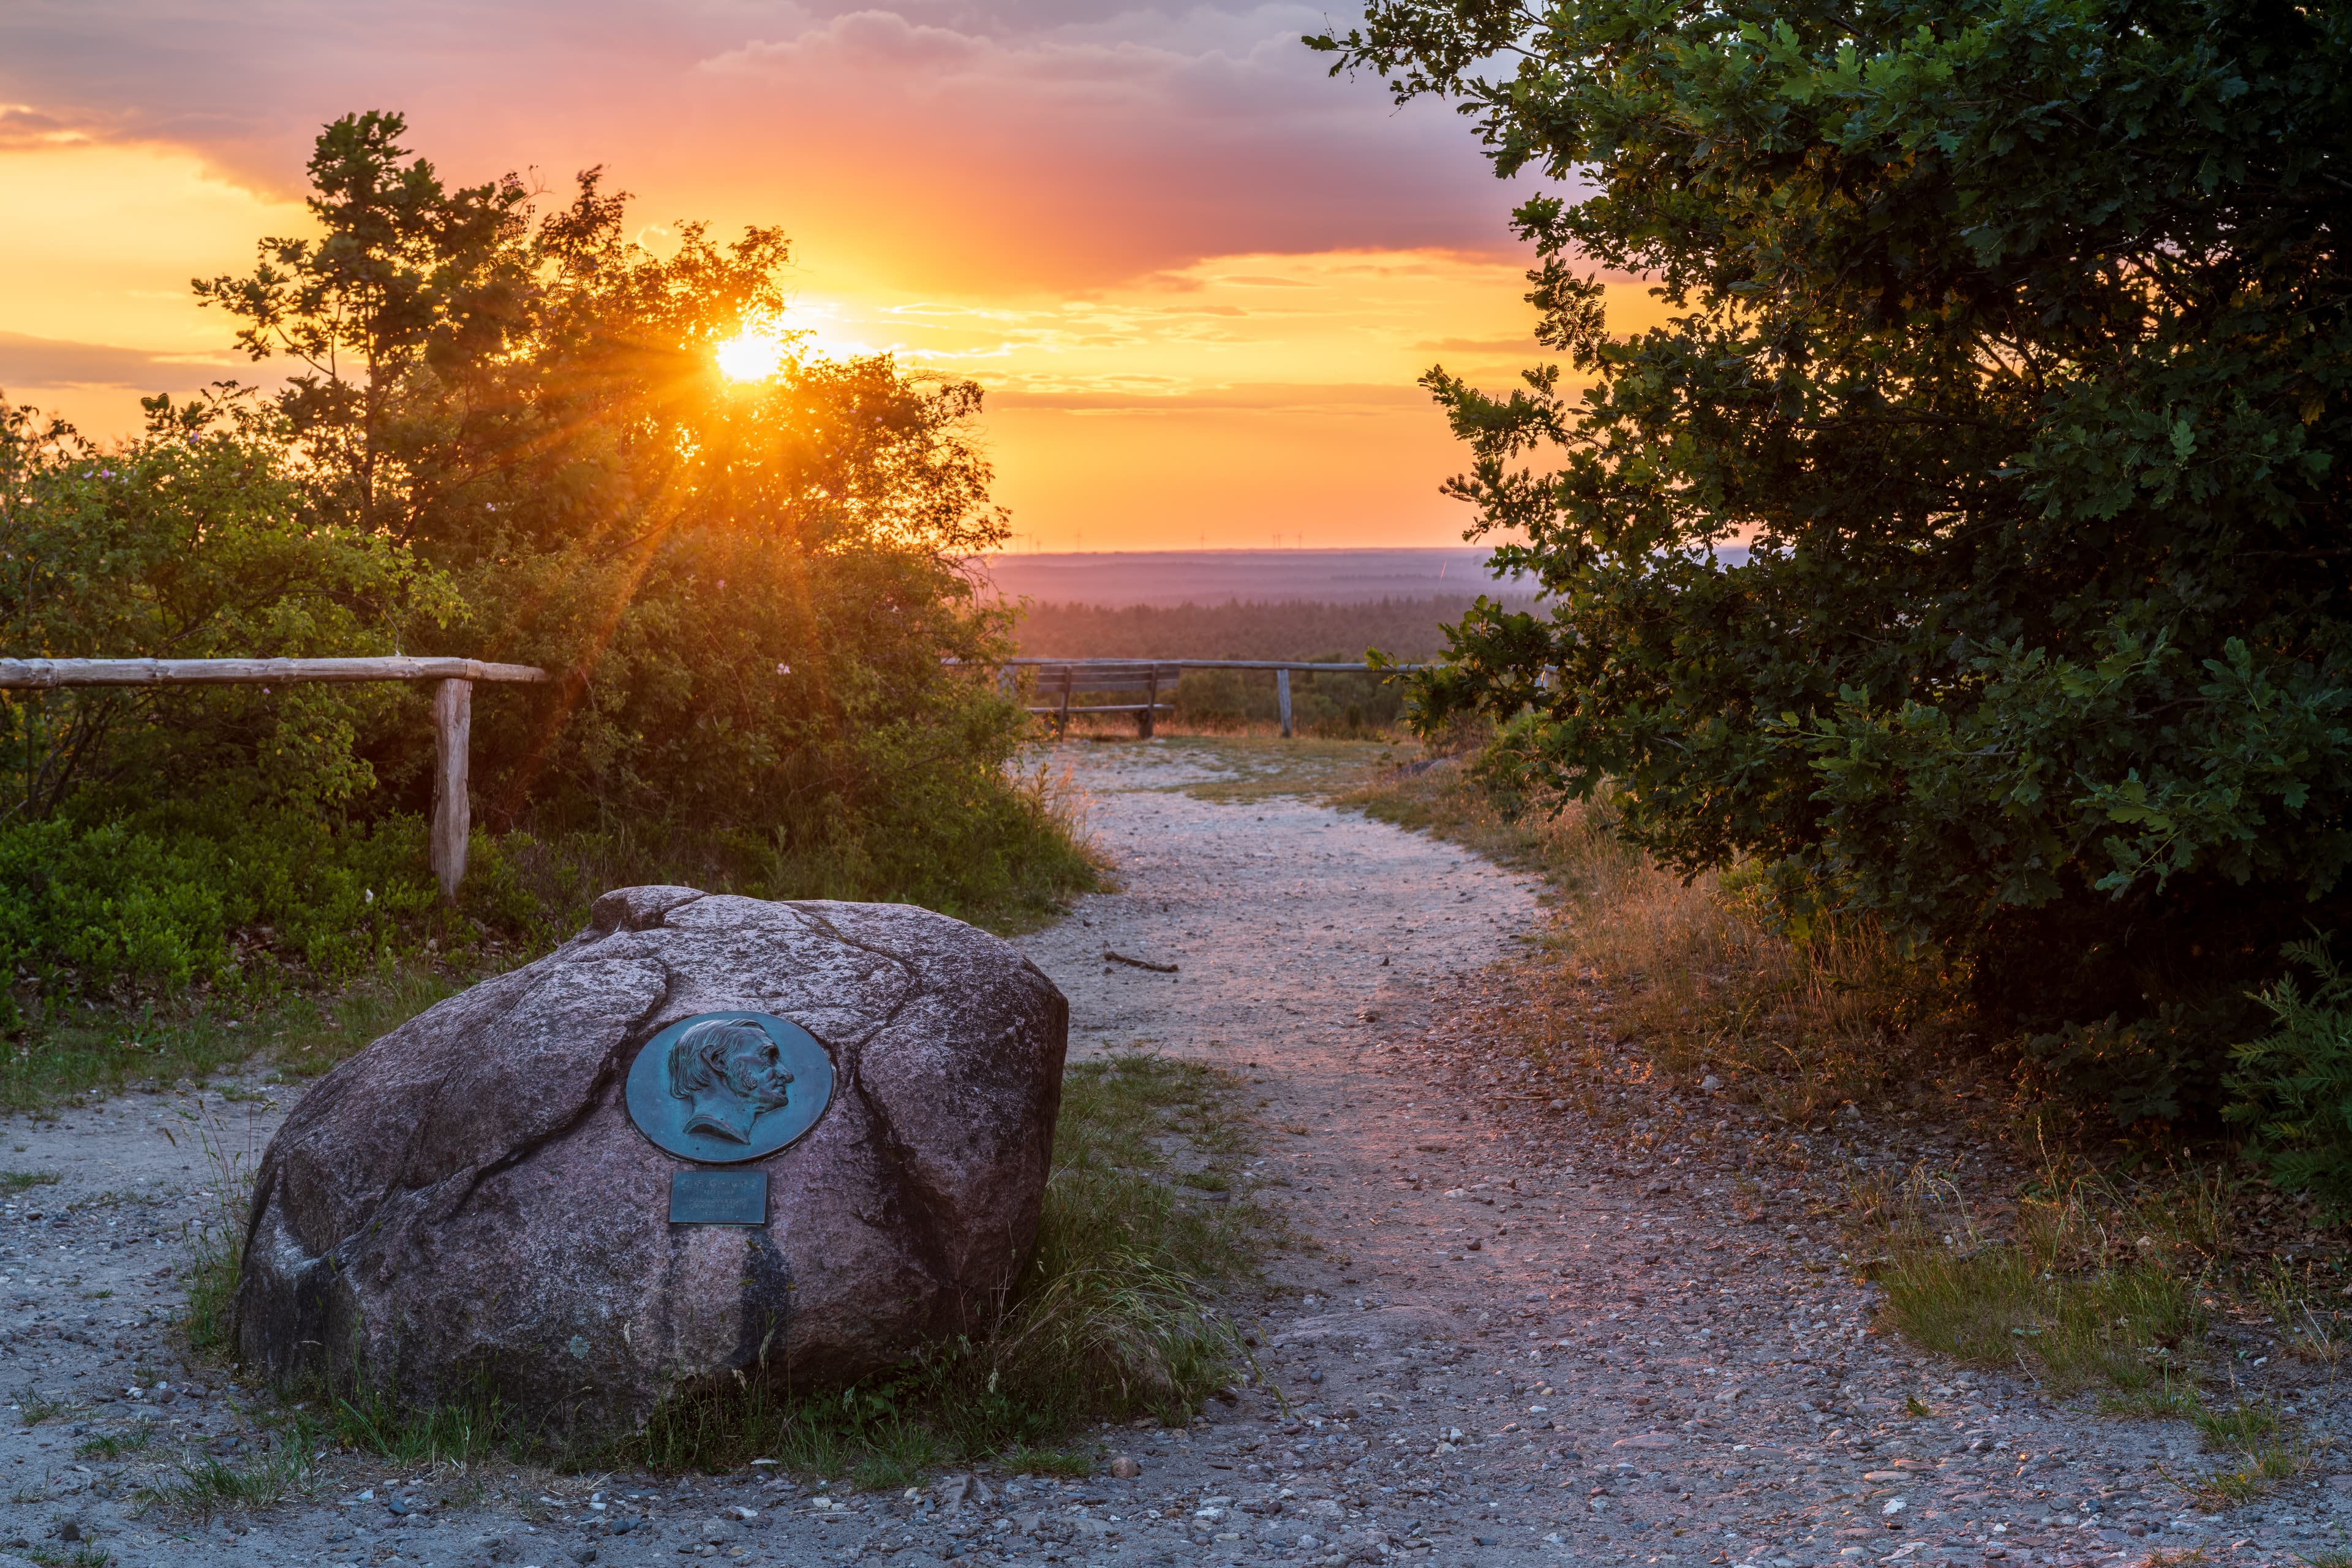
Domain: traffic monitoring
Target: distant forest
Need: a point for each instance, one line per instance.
(1290, 628)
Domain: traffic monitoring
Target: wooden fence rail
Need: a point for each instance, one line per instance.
(1068, 675)
(453, 703)
(453, 712)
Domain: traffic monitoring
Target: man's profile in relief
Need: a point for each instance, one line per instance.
(729, 1071)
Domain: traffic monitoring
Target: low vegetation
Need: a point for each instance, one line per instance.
(262, 989)
(2064, 1297)
(1697, 971)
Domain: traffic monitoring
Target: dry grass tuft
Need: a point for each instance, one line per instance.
(2096, 1286)
(1694, 972)
(215, 1232)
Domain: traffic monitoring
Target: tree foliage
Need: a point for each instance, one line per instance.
(190, 542)
(504, 433)
(748, 588)
(2010, 338)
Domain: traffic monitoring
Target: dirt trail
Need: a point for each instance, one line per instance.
(1520, 1342)
(1648, 1358)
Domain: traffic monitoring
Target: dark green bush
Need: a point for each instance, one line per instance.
(1968, 533)
(2293, 1088)
(157, 902)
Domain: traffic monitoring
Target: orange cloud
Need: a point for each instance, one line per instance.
(1197, 277)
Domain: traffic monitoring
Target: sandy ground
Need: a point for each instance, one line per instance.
(1520, 1342)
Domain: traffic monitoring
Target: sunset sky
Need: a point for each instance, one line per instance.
(1196, 275)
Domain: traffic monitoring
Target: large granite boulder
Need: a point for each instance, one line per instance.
(467, 1201)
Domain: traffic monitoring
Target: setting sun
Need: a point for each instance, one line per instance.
(750, 357)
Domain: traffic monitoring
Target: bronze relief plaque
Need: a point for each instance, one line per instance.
(720, 1087)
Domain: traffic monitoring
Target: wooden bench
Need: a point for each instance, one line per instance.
(1058, 682)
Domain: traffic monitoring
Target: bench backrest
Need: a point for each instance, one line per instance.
(1139, 676)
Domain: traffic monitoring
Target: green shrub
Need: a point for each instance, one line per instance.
(192, 541)
(2293, 1088)
(108, 901)
(1962, 518)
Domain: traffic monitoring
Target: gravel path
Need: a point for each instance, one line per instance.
(1527, 1336)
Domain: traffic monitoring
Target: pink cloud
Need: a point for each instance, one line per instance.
(1041, 147)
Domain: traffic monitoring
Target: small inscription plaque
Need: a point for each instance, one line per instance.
(720, 1087)
(718, 1197)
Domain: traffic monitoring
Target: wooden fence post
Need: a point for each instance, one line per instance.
(453, 812)
(1282, 698)
(453, 711)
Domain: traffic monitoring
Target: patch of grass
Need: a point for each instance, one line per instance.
(36, 1408)
(1435, 795)
(1997, 1307)
(214, 1233)
(2165, 1401)
(80, 1557)
(303, 1035)
(870, 1434)
(450, 1432)
(308, 1036)
(208, 1485)
(21, 1181)
(1115, 1318)
(2074, 1309)
(2303, 1306)
(114, 1445)
(2246, 1426)
(2057, 1301)
(1073, 1464)
(2262, 1469)
(2264, 1441)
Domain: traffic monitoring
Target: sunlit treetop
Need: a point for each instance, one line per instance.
(476, 376)
(755, 353)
